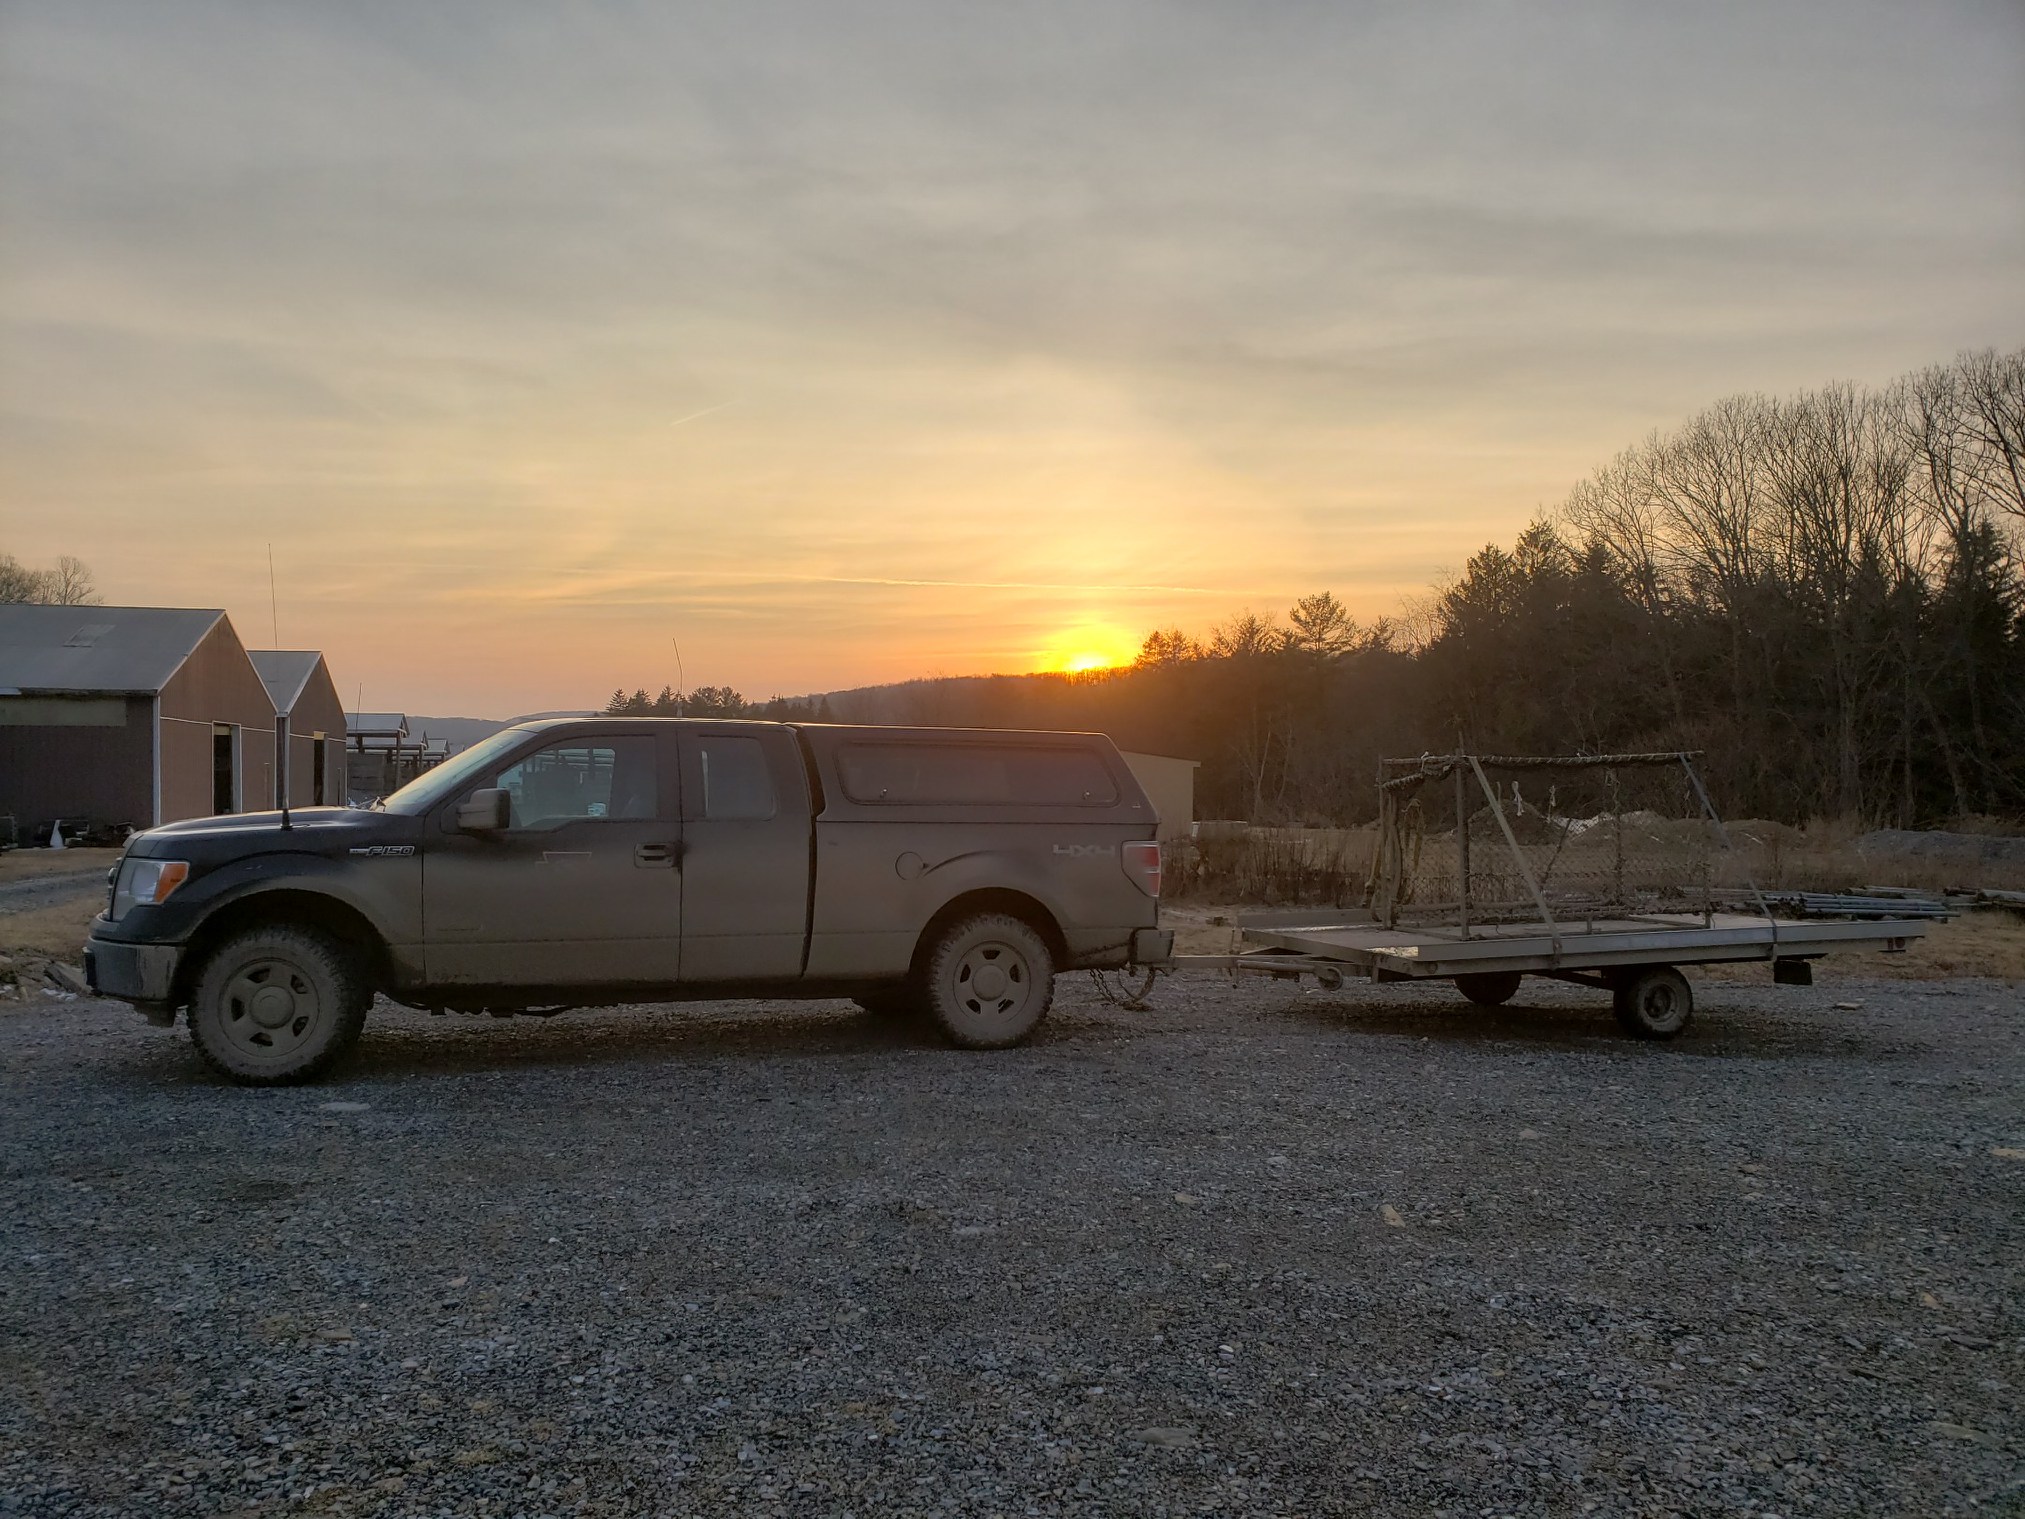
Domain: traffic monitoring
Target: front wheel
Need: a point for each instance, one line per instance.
(1654, 1002)
(988, 982)
(276, 1005)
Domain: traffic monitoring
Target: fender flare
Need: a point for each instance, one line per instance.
(269, 875)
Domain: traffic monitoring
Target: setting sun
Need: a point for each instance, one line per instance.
(1093, 646)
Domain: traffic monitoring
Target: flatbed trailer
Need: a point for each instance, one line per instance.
(1635, 959)
(1509, 910)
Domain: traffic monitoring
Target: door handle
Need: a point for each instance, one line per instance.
(654, 854)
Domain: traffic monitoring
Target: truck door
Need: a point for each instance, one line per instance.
(582, 886)
(745, 855)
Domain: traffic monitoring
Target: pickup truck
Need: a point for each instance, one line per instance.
(586, 862)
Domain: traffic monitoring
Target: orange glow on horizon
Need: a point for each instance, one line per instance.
(1090, 647)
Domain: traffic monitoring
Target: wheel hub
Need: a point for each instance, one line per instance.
(992, 979)
(272, 1006)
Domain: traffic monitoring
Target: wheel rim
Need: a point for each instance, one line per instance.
(992, 984)
(1661, 1007)
(270, 1009)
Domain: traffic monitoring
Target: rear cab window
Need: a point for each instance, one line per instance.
(737, 785)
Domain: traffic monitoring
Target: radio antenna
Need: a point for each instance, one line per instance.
(273, 601)
(681, 680)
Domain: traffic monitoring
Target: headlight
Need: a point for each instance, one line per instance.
(146, 882)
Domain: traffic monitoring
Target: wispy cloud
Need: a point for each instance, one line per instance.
(999, 322)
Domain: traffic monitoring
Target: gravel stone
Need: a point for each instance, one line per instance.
(1258, 1251)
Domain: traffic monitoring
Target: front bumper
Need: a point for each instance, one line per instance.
(143, 974)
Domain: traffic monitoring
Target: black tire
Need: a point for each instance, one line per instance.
(277, 1005)
(1490, 988)
(1654, 1002)
(987, 982)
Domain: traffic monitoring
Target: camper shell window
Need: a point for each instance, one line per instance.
(975, 775)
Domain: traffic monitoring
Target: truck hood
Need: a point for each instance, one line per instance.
(312, 828)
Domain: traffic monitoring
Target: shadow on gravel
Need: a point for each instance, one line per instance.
(1592, 1027)
(399, 1042)
(416, 1044)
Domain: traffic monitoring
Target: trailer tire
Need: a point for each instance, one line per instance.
(1654, 1002)
(987, 982)
(277, 1005)
(1489, 988)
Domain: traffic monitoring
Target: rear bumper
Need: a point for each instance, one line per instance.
(1152, 946)
(143, 974)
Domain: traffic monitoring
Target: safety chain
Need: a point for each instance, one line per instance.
(1122, 995)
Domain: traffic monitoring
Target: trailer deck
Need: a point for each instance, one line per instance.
(1660, 938)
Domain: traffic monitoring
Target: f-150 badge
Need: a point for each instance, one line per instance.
(383, 851)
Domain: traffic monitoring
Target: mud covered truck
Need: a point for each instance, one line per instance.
(584, 862)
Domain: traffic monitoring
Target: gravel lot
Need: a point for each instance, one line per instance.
(1262, 1251)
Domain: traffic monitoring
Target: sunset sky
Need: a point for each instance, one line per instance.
(848, 343)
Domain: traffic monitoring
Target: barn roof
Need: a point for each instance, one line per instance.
(66, 649)
(285, 672)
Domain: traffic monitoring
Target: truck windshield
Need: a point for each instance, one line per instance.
(430, 787)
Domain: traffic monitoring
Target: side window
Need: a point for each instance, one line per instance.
(582, 778)
(735, 779)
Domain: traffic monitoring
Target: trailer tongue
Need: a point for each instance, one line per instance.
(1580, 887)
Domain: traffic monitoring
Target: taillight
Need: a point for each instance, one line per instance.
(1142, 864)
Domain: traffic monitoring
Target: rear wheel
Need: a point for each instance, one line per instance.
(1654, 1002)
(1490, 988)
(276, 1005)
(988, 982)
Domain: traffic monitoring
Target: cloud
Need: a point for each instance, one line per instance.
(910, 329)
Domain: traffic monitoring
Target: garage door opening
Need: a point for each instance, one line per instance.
(224, 767)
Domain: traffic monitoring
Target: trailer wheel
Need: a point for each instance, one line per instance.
(276, 1005)
(1490, 988)
(988, 982)
(1654, 1002)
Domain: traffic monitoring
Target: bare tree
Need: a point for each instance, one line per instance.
(1994, 387)
(69, 584)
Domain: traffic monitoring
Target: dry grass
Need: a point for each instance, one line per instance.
(1982, 943)
(49, 933)
(27, 864)
(1274, 865)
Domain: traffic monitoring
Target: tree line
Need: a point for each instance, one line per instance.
(718, 701)
(67, 583)
(1824, 593)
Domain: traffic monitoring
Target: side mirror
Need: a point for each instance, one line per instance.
(485, 811)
